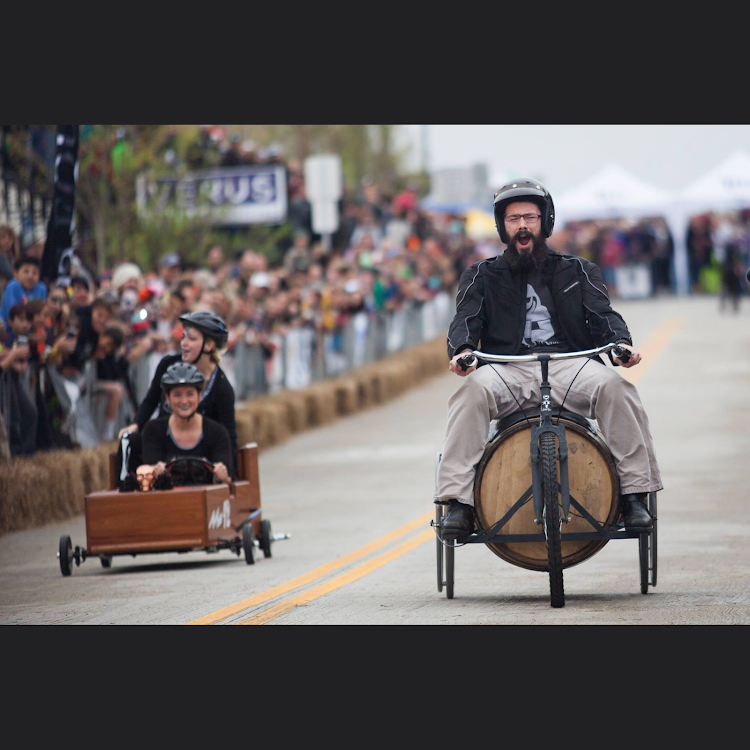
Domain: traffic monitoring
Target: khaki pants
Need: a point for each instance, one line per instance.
(599, 392)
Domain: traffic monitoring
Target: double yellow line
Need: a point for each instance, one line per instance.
(649, 351)
(321, 571)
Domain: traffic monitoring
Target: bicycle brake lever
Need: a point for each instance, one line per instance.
(467, 361)
(621, 353)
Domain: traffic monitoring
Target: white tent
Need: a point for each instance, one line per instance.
(726, 187)
(612, 193)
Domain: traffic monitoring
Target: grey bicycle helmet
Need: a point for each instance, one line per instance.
(181, 373)
(209, 324)
(524, 189)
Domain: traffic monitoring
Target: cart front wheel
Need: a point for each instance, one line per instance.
(66, 555)
(248, 543)
(106, 561)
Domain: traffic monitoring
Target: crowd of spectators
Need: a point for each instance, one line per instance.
(387, 254)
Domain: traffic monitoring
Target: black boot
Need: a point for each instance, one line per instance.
(458, 521)
(634, 512)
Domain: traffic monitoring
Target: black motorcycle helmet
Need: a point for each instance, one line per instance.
(524, 190)
(181, 373)
(209, 324)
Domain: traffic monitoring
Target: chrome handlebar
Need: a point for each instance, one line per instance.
(470, 358)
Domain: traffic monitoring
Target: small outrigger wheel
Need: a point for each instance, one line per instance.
(265, 538)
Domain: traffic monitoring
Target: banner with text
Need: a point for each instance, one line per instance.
(228, 195)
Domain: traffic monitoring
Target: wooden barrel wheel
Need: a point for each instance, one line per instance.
(504, 474)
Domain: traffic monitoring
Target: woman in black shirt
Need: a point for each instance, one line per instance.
(186, 433)
(205, 333)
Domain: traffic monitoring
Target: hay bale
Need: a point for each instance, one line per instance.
(19, 484)
(246, 427)
(347, 395)
(321, 403)
(296, 408)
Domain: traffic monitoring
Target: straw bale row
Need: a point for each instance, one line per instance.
(51, 485)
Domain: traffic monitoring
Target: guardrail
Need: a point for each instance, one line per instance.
(305, 355)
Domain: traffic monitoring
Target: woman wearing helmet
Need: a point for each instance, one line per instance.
(204, 334)
(186, 433)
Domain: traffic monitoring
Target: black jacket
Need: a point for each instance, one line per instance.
(213, 445)
(491, 306)
(218, 404)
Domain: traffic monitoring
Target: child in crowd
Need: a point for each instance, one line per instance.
(38, 332)
(24, 287)
(20, 320)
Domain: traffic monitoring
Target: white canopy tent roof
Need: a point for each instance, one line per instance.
(612, 193)
(724, 188)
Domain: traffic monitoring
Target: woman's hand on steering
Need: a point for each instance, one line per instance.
(159, 468)
(220, 472)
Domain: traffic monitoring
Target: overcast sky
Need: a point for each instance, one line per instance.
(562, 156)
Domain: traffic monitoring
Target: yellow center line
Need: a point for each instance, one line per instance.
(653, 347)
(350, 576)
(313, 575)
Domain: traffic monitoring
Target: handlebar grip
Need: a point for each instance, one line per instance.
(467, 361)
(621, 353)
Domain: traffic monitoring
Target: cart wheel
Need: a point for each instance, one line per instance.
(552, 520)
(450, 552)
(106, 561)
(265, 538)
(438, 519)
(652, 550)
(248, 543)
(643, 550)
(66, 555)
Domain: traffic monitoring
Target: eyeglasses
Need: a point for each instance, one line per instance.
(528, 218)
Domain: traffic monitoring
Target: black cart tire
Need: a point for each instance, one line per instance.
(248, 543)
(439, 547)
(66, 555)
(552, 520)
(450, 558)
(265, 538)
(643, 558)
(652, 555)
(106, 561)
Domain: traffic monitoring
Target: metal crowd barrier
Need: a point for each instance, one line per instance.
(304, 355)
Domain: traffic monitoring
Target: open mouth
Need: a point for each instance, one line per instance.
(523, 239)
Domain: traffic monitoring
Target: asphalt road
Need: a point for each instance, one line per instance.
(356, 498)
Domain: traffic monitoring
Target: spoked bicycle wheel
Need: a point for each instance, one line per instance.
(439, 543)
(552, 520)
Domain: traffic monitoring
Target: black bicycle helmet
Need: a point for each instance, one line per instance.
(181, 373)
(208, 323)
(519, 190)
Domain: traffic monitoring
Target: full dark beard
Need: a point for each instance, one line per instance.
(520, 260)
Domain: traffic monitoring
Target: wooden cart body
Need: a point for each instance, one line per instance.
(180, 519)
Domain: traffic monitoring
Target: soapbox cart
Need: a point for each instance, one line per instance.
(207, 517)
